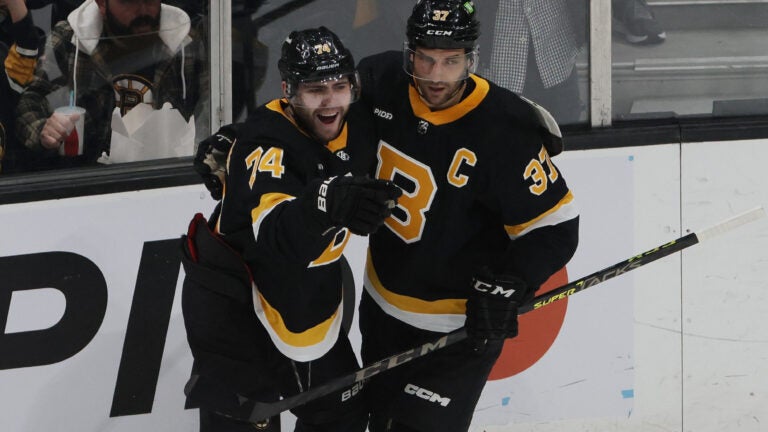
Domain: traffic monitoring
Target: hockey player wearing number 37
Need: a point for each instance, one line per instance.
(485, 218)
(263, 295)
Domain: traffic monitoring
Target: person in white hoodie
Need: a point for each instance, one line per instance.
(107, 54)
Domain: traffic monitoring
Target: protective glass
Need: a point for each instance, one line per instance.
(445, 69)
(165, 113)
(331, 92)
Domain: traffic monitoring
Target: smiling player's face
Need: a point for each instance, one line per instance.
(321, 106)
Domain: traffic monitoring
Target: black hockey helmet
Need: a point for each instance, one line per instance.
(315, 54)
(443, 24)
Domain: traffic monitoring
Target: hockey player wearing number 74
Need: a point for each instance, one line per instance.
(485, 218)
(263, 296)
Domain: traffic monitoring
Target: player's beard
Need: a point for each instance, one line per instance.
(310, 121)
(140, 33)
(447, 97)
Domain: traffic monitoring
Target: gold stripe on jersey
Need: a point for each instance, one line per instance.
(443, 315)
(334, 250)
(562, 211)
(267, 203)
(276, 105)
(448, 115)
(307, 345)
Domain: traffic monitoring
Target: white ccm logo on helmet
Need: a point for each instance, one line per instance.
(440, 32)
(497, 290)
(427, 395)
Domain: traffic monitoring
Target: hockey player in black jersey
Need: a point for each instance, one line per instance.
(485, 218)
(263, 295)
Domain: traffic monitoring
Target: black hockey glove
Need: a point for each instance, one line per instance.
(492, 307)
(358, 203)
(211, 159)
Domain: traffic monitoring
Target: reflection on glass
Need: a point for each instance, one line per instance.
(259, 27)
(546, 58)
(532, 47)
(139, 70)
(711, 61)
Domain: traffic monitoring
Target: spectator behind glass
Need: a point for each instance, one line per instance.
(125, 53)
(636, 22)
(531, 48)
(18, 32)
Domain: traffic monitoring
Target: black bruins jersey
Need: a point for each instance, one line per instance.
(297, 288)
(479, 189)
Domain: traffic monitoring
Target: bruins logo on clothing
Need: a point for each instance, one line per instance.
(131, 90)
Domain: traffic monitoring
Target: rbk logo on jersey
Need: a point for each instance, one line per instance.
(427, 395)
(383, 114)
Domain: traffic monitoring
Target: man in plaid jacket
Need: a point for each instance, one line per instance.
(108, 54)
(532, 47)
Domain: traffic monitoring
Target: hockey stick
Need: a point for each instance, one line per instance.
(255, 411)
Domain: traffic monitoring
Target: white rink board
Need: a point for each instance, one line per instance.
(554, 387)
(110, 230)
(700, 328)
(718, 300)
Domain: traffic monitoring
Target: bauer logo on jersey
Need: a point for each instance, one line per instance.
(131, 90)
(427, 395)
(383, 114)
